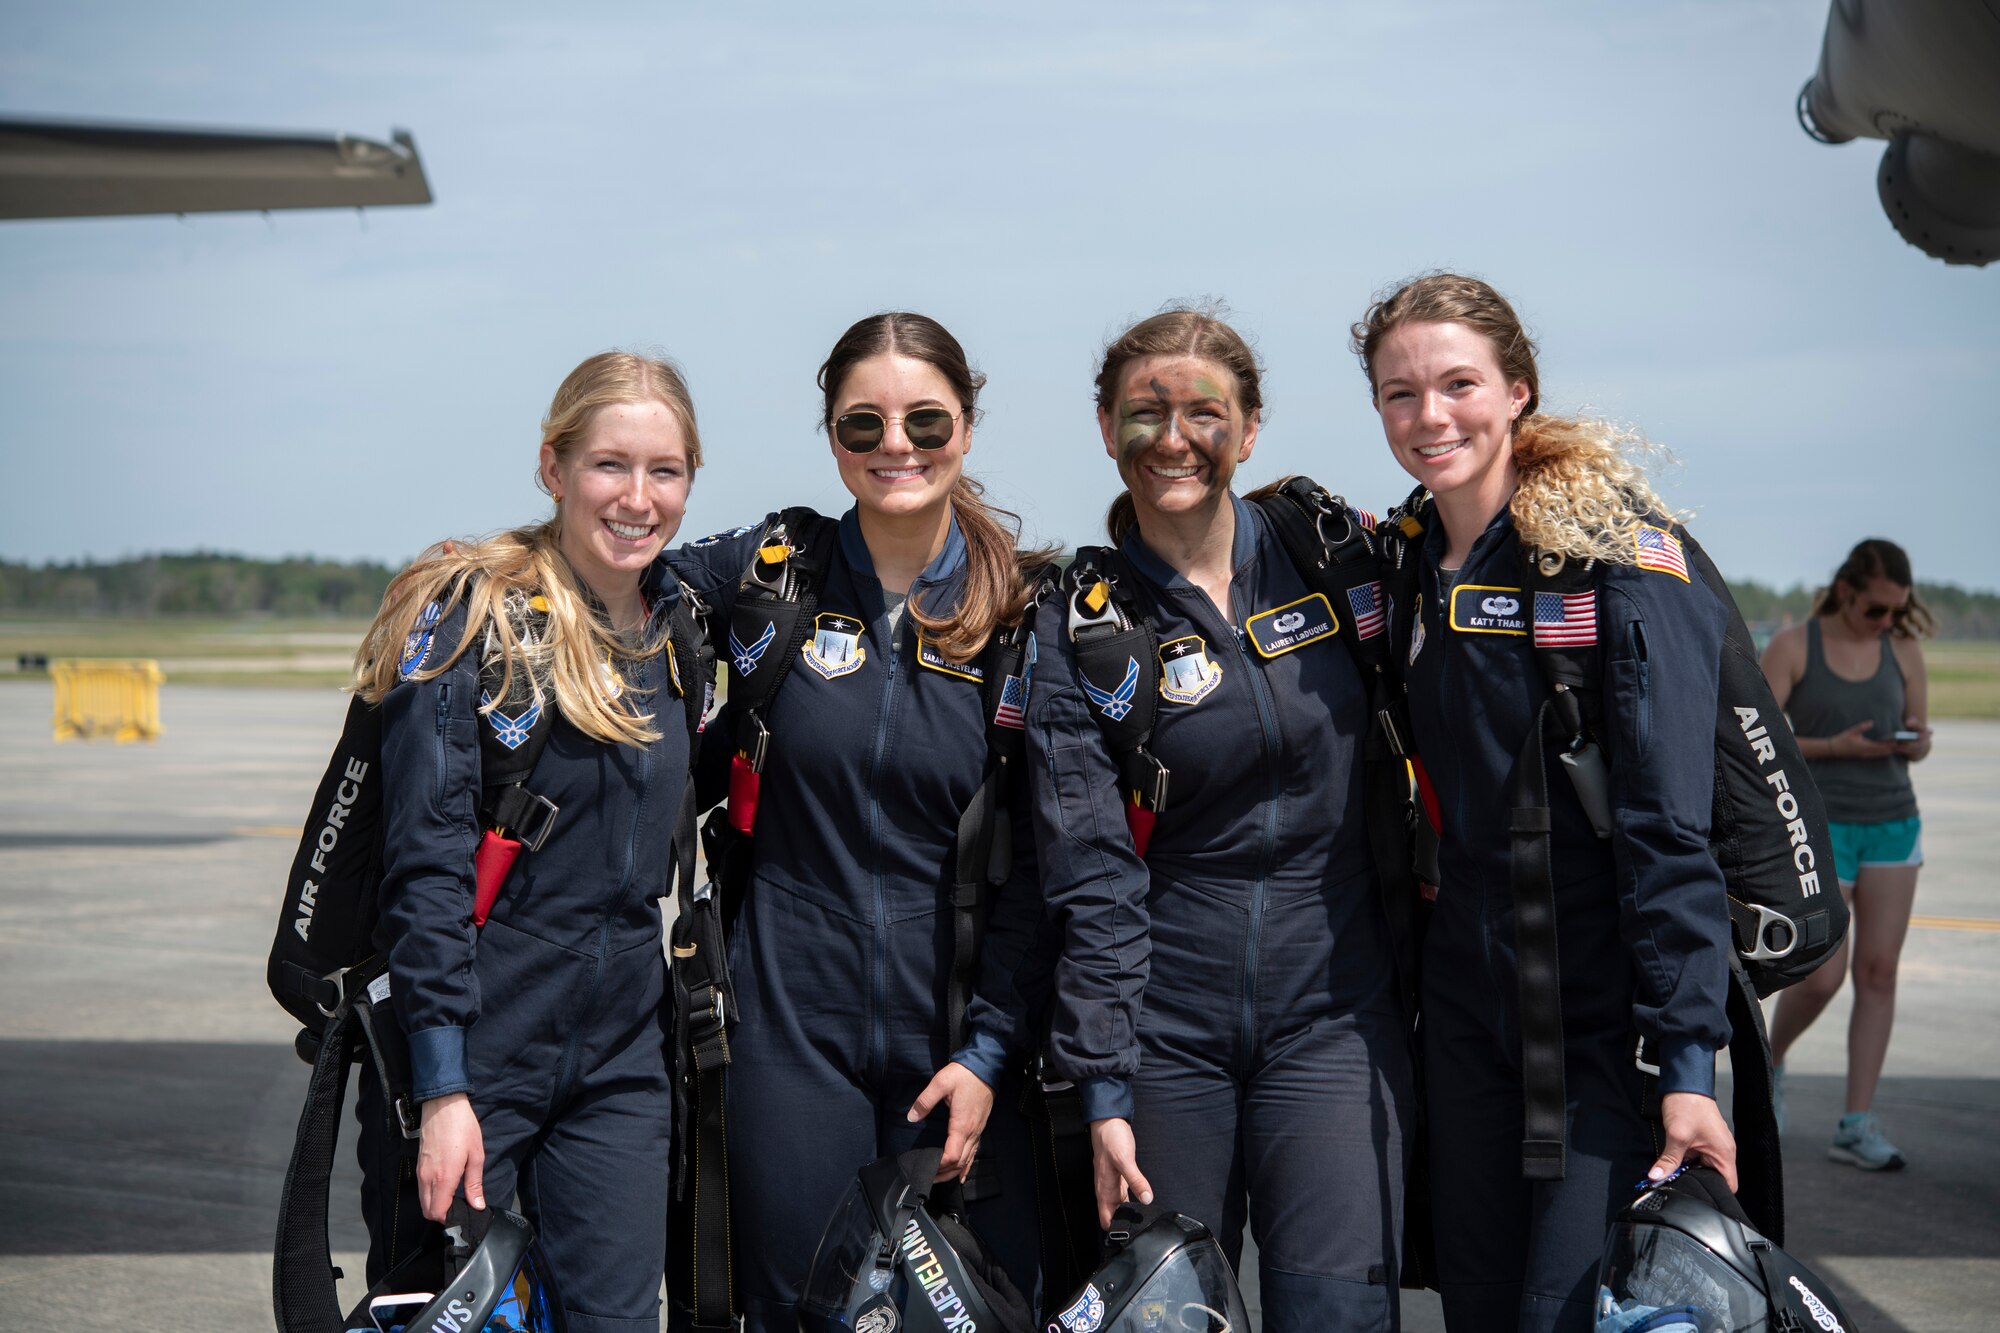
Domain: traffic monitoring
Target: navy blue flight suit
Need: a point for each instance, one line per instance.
(1232, 994)
(1642, 927)
(841, 952)
(553, 1015)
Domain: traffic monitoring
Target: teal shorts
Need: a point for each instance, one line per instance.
(1894, 842)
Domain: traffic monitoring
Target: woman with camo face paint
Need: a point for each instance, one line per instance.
(1225, 997)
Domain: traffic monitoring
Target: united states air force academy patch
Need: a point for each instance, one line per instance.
(1187, 673)
(835, 649)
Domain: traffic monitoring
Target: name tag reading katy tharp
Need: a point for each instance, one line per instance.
(1293, 625)
(1480, 609)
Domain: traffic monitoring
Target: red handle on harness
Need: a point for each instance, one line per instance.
(743, 784)
(490, 865)
(1140, 821)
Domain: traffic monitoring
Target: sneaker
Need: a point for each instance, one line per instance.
(1778, 1095)
(1858, 1142)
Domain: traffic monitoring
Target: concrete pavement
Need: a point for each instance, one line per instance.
(148, 1089)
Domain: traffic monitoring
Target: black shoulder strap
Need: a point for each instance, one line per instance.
(302, 1283)
(1118, 664)
(773, 617)
(985, 852)
(514, 729)
(1340, 558)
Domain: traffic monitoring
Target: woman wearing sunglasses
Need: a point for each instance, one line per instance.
(1852, 681)
(878, 740)
(1225, 997)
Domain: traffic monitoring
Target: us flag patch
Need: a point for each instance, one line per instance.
(1370, 613)
(1660, 551)
(1013, 708)
(1565, 619)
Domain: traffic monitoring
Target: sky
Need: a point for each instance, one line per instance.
(733, 186)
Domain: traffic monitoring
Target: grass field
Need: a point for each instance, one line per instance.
(197, 652)
(1965, 675)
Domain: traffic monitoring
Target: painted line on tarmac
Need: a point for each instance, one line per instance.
(1979, 923)
(267, 831)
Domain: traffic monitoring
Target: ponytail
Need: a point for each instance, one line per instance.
(996, 576)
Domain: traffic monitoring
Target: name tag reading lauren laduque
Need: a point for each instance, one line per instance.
(1285, 628)
(1483, 609)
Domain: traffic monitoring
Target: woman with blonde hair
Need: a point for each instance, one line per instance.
(1852, 680)
(532, 998)
(1641, 930)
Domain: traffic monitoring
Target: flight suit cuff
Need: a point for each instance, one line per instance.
(437, 1063)
(1106, 1097)
(985, 1056)
(1687, 1066)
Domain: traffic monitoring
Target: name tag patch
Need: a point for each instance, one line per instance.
(1284, 629)
(928, 655)
(1483, 609)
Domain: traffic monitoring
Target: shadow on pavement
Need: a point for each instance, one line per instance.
(153, 1147)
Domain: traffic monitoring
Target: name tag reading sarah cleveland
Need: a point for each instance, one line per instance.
(1285, 628)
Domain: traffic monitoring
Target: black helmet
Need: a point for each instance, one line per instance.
(895, 1255)
(1164, 1273)
(486, 1276)
(1683, 1258)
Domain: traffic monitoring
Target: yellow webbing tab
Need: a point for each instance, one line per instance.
(1099, 594)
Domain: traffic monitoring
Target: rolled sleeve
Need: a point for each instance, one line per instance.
(437, 1063)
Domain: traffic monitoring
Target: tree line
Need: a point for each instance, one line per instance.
(200, 583)
(208, 583)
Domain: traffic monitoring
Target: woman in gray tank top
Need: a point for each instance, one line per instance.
(1851, 678)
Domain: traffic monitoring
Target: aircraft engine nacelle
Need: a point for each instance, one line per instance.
(1925, 75)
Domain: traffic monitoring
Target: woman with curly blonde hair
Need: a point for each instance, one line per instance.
(532, 1000)
(1641, 929)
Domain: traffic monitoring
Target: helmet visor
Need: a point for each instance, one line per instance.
(1658, 1280)
(1192, 1292)
(847, 1251)
(529, 1304)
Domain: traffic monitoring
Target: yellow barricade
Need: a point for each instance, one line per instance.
(106, 698)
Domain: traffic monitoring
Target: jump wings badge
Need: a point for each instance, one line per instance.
(1187, 673)
(836, 649)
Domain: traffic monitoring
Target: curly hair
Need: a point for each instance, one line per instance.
(1583, 491)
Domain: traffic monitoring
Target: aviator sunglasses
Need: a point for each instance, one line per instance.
(926, 428)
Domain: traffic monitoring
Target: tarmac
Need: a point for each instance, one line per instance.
(149, 1091)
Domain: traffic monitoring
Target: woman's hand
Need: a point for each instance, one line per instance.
(453, 1152)
(971, 1101)
(1695, 1127)
(1920, 747)
(1114, 1156)
(1856, 743)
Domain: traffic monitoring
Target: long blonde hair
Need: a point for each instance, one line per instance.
(997, 572)
(524, 604)
(1583, 491)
